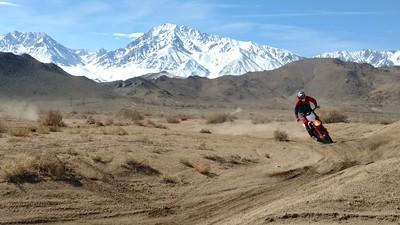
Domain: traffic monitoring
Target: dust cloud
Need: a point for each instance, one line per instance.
(19, 109)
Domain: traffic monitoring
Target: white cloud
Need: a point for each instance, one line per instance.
(132, 36)
(4, 3)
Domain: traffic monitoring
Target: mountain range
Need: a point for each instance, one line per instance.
(178, 51)
(346, 85)
(23, 77)
(352, 86)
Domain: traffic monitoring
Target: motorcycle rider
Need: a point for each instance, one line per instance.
(303, 107)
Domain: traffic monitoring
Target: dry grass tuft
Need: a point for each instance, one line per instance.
(100, 159)
(231, 160)
(281, 135)
(53, 118)
(173, 119)
(168, 179)
(205, 131)
(34, 169)
(108, 122)
(115, 131)
(3, 128)
(184, 117)
(220, 118)
(215, 158)
(333, 116)
(130, 114)
(151, 124)
(186, 163)
(203, 146)
(19, 131)
(90, 120)
(140, 167)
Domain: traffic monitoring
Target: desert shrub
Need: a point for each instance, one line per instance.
(173, 119)
(33, 169)
(220, 118)
(121, 132)
(100, 159)
(19, 131)
(115, 131)
(53, 118)
(41, 129)
(18, 172)
(281, 135)
(386, 122)
(169, 179)
(203, 146)
(205, 131)
(49, 165)
(108, 122)
(151, 123)
(333, 116)
(140, 167)
(130, 114)
(90, 120)
(139, 123)
(3, 128)
(379, 121)
(54, 129)
(184, 117)
(90, 112)
(215, 158)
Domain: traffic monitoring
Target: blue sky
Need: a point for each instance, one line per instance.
(306, 27)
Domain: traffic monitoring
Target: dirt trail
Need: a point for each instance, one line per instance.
(253, 179)
(279, 198)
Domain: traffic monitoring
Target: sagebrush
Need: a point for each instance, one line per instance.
(333, 116)
(220, 118)
(280, 135)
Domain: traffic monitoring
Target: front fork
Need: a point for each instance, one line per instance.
(320, 131)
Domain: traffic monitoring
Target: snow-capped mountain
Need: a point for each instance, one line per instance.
(178, 50)
(40, 46)
(185, 51)
(375, 58)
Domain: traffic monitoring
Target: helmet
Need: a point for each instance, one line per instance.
(301, 95)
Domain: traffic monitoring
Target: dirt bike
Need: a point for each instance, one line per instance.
(317, 129)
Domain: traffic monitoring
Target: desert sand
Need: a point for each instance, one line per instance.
(117, 171)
